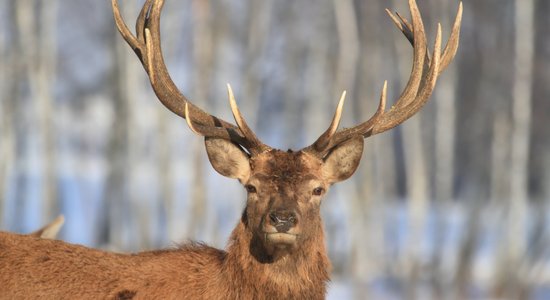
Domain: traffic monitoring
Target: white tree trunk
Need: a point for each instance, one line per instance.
(521, 118)
(46, 77)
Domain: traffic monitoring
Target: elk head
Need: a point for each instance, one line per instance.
(285, 187)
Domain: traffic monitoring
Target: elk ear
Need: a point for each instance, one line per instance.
(227, 158)
(342, 161)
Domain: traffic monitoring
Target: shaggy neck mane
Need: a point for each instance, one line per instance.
(303, 273)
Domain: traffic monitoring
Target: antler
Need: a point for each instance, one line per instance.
(424, 74)
(146, 44)
(452, 45)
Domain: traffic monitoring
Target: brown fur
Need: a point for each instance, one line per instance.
(56, 270)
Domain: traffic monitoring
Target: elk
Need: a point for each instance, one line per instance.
(277, 250)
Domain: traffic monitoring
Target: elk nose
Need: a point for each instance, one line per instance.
(283, 220)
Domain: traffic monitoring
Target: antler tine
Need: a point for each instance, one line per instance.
(323, 141)
(452, 44)
(407, 29)
(189, 122)
(147, 45)
(402, 24)
(123, 29)
(419, 56)
(142, 19)
(366, 128)
(256, 144)
(249, 141)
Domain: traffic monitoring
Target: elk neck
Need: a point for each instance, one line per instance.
(302, 272)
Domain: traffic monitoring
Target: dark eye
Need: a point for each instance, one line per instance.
(250, 188)
(318, 191)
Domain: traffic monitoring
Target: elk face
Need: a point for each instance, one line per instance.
(284, 190)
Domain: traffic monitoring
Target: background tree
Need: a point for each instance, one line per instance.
(434, 201)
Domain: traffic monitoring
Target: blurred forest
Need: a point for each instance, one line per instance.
(453, 204)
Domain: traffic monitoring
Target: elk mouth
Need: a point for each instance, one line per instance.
(280, 238)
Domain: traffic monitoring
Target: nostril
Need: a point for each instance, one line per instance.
(292, 219)
(273, 218)
(283, 220)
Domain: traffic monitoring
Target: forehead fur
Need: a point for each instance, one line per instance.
(286, 165)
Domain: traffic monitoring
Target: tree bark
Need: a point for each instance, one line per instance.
(11, 70)
(46, 78)
(117, 209)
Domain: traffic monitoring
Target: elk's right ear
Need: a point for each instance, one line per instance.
(343, 160)
(227, 158)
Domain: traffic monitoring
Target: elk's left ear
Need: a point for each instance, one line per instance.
(342, 161)
(227, 158)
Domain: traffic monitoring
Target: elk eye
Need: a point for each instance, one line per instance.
(318, 191)
(250, 188)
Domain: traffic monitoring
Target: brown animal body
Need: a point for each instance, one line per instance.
(277, 250)
(51, 269)
(247, 270)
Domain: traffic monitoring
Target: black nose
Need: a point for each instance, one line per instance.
(283, 220)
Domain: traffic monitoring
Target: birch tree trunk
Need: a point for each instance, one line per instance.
(203, 40)
(521, 117)
(46, 78)
(117, 209)
(25, 112)
(510, 284)
(37, 27)
(260, 16)
(362, 264)
(11, 75)
(292, 97)
(445, 122)
(166, 156)
(500, 156)
(360, 44)
(540, 156)
(443, 158)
